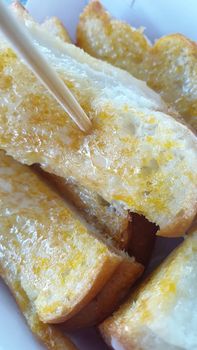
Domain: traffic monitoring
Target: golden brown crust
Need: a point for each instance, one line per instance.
(181, 224)
(98, 283)
(109, 298)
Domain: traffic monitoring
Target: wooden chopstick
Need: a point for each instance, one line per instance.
(21, 42)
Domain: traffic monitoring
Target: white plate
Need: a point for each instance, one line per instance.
(160, 17)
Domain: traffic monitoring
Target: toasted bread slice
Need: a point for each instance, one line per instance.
(135, 152)
(47, 248)
(109, 298)
(162, 313)
(112, 40)
(169, 67)
(48, 335)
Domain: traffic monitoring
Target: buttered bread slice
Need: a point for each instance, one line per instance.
(60, 265)
(162, 313)
(137, 156)
(169, 66)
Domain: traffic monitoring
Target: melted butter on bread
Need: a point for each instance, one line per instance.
(138, 157)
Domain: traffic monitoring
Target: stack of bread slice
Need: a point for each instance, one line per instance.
(51, 262)
(133, 175)
(57, 269)
(138, 156)
(161, 313)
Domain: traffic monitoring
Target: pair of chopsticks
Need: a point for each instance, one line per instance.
(21, 42)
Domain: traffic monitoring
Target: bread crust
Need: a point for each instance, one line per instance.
(90, 292)
(109, 298)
